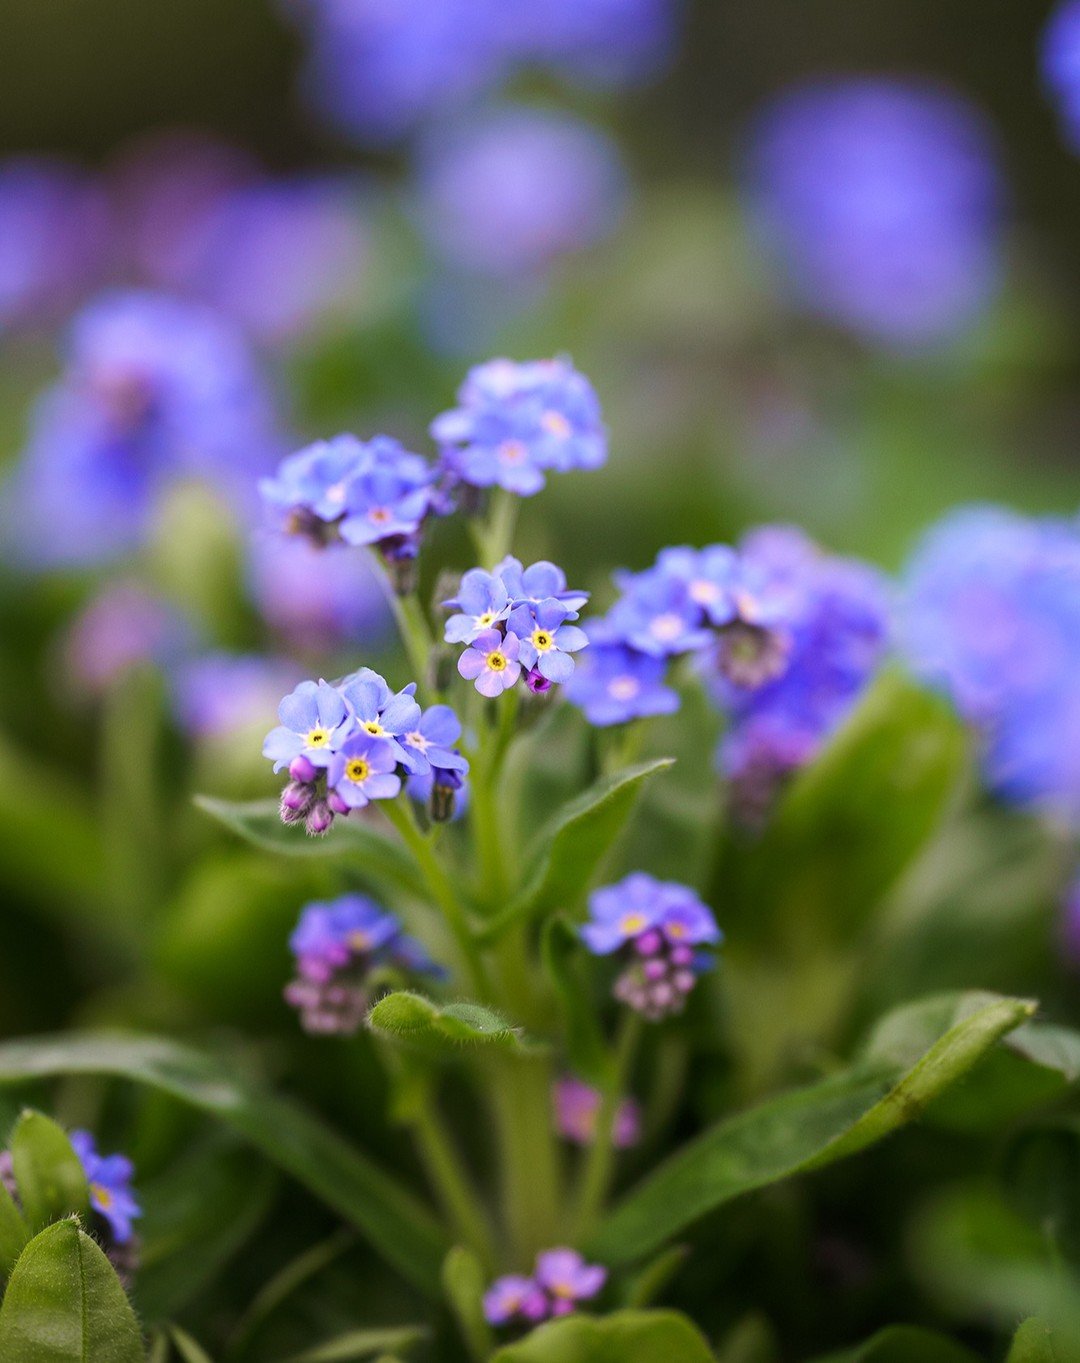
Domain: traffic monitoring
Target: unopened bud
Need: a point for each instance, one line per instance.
(296, 799)
(303, 769)
(319, 819)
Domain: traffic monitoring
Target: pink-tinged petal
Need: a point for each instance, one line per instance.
(511, 674)
(471, 664)
(488, 641)
(490, 683)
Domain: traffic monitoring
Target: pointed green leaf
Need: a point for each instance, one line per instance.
(362, 1344)
(14, 1232)
(905, 1344)
(570, 848)
(464, 1281)
(398, 1225)
(64, 1304)
(561, 952)
(853, 820)
(188, 1350)
(908, 1064)
(259, 823)
(624, 1337)
(49, 1174)
(412, 1018)
(1036, 1342)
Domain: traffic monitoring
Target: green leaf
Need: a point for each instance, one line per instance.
(412, 1018)
(1034, 1342)
(259, 823)
(572, 845)
(624, 1337)
(362, 1344)
(398, 1225)
(853, 820)
(904, 1344)
(188, 1350)
(14, 1232)
(49, 1174)
(64, 1304)
(907, 1065)
(586, 1050)
(464, 1281)
(1041, 1176)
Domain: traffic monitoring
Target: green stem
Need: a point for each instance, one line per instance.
(487, 807)
(600, 1161)
(529, 1158)
(400, 814)
(494, 534)
(415, 635)
(451, 1182)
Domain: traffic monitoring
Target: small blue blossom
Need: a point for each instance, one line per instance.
(378, 713)
(662, 930)
(362, 770)
(109, 1177)
(314, 722)
(491, 662)
(541, 581)
(515, 422)
(481, 602)
(614, 683)
(429, 743)
(546, 640)
(337, 944)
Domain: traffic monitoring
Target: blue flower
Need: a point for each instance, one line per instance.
(546, 641)
(316, 597)
(313, 480)
(429, 743)
(516, 421)
(991, 615)
(614, 683)
(154, 391)
(378, 713)
(491, 662)
(109, 1177)
(539, 582)
(314, 723)
(657, 614)
(1060, 61)
(883, 201)
(362, 770)
(481, 602)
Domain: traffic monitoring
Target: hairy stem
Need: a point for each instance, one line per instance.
(600, 1160)
(531, 1182)
(459, 1199)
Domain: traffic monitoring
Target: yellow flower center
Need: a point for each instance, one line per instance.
(488, 618)
(378, 515)
(497, 661)
(358, 770)
(675, 930)
(102, 1196)
(563, 1290)
(556, 424)
(372, 726)
(317, 737)
(632, 923)
(542, 640)
(359, 941)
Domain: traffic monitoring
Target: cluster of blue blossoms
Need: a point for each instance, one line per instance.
(339, 947)
(377, 69)
(663, 934)
(515, 622)
(350, 744)
(785, 636)
(992, 616)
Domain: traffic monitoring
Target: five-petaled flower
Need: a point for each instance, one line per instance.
(109, 1177)
(362, 770)
(314, 719)
(491, 662)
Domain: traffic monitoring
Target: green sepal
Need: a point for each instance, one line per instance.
(49, 1174)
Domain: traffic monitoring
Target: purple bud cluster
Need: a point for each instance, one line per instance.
(516, 623)
(662, 933)
(576, 1109)
(349, 744)
(338, 946)
(560, 1279)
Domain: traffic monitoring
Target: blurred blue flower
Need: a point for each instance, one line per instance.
(614, 683)
(109, 1177)
(220, 694)
(516, 421)
(510, 192)
(121, 627)
(1060, 62)
(883, 201)
(992, 615)
(657, 613)
(54, 233)
(316, 597)
(154, 391)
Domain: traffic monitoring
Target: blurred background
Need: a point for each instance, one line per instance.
(819, 260)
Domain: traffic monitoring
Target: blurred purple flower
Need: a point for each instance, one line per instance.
(577, 1106)
(220, 694)
(567, 1279)
(316, 597)
(122, 627)
(883, 201)
(154, 391)
(510, 192)
(54, 231)
(614, 683)
(1060, 62)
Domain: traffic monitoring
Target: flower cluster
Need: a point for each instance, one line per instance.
(371, 492)
(883, 200)
(155, 391)
(515, 621)
(338, 947)
(661, 931)
(577, 1107)
(991, 614)
(561, 1279)
(378, 68)
(347, 745)
(516, 422)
